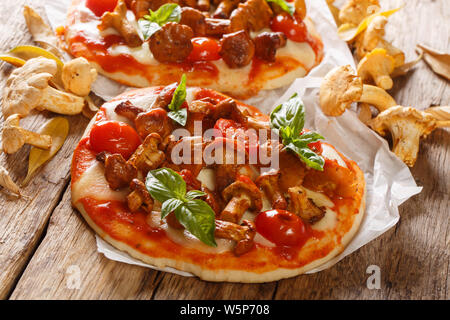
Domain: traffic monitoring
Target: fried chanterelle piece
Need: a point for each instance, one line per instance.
(118, 20)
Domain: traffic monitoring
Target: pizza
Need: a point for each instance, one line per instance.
(235, 47)
(179, 177)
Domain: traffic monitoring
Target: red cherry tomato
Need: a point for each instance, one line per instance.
(114, 137)
(293, 29)
(99, 7)
(204, 49)
(281, 227)
(233, 130)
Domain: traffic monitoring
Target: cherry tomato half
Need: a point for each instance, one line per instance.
(293, 29)
(281, 227)
(114, 137)
(99, 7)
(204, 49)
(233, 130)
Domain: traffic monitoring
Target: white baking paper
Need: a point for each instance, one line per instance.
(388, 180)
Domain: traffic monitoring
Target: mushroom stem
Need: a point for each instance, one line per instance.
(14, 137)
(242, 234)
(377, 97)
(236, 208)
(61, 102)
(443, 124)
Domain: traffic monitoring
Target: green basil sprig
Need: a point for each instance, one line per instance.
(152, 22)
(286, 6)
(169, 188)
(288, 119)
(179, 96)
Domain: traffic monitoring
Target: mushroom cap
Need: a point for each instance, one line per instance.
(354, 11)
(244, 186)
(24, 88)
(377, 65)
(422, 121)
(271, 176)
(78, 76)
(339, 89)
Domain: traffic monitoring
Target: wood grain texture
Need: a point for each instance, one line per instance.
(413, 257)
(23, 221)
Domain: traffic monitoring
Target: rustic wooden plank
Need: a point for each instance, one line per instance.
(69, 248)
(413, 256)
(23, 221)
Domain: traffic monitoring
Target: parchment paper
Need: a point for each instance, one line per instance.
(388, 180)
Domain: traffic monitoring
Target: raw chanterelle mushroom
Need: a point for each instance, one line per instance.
(341, 87)
(372, 38)
(27, 88)
(14, 137)
(407, 125)
(377, 65)
(78, 76)
(354, 11)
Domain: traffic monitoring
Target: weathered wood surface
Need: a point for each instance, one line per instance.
(22, 222)
(413, 257)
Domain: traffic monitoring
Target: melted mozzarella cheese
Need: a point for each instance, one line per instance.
(92, 183)
(330, 153)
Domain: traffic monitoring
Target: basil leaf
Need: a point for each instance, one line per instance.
(179, 95)
(164, 184)
(194, 194)
(289, 118)
(179, 116)
(286, 6)
(148, 28)
(199, 219)
(309, 157)
(310, 137)
(170, 12)
(170, 205)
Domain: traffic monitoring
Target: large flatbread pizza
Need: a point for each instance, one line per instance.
(236, 47)
(191, 179)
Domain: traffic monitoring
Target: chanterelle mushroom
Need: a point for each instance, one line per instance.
(243, 234)
(304, 207)
(147, 156)
(269, 183)
(240, 196)
(377, 65)
(118, 20)
(407, 125)
(341, 87)
(354, 11)
(14, 137)
(27, 88)
(372, 38)
(78, 76)
(139, 197)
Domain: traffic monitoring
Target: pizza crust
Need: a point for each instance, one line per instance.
(219, 274)
(294, 60)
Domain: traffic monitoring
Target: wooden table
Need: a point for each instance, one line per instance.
(44, 242)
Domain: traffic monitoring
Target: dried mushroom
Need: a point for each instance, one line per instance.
(354, 11)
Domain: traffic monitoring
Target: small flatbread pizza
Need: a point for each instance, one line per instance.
(235, 47)
(191, 179)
